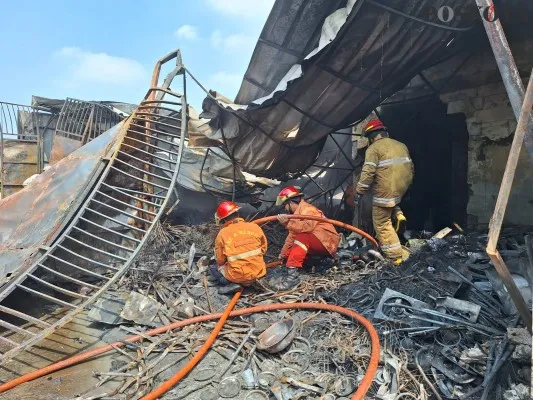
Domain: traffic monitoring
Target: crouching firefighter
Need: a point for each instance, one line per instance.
(239, 250)
(306, 237)
(389, 168)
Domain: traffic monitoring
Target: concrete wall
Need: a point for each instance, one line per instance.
(491, 125)
(470, 83)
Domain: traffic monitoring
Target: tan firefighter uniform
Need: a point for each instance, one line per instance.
(388, 166)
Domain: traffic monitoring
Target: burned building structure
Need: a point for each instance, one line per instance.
(319, 70)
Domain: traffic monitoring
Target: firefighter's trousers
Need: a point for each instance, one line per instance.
(305, 244)
(386, 235)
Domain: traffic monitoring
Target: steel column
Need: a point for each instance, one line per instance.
(507, 66)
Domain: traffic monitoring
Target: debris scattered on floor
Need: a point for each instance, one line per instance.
(444, 329)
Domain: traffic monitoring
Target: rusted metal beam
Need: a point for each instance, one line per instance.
(506, 64)
(501, 205)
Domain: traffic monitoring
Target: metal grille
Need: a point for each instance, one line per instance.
(110, 228)
(85, 120)
(19, 126)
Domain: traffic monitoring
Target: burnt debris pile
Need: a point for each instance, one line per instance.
(447, 327)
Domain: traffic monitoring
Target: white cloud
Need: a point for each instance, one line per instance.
(237, 42)
(86, 67)
(223, 77)
(226, 83)
(187, 32)
(255, 9)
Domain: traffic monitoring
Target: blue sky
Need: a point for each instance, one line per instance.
(106, 50)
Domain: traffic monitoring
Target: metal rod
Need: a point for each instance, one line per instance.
(501, 205)
(126, 204)
(77, 267)
(168, 160)
(45, 296)
(58, 288)
(15, 328)
(23, 316)
(111, 230)
(140, 179)
(10, 342)
(96, 249)
(150, 145)
(144, 161)
(156, 131)
(68, 278)
(510, 168)
(146, 172)
(507, 66)
(123, 212)
(115, 220)
(86, 258)
(130, 195)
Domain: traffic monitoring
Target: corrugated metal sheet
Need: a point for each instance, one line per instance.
(32, 217)
(373, 52)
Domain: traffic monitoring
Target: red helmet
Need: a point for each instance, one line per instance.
(373, 125)
(288, 193)
(225, 209)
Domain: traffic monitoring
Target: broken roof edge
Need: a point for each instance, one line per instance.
(55, 105)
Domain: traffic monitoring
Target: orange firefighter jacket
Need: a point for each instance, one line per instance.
(239, 250)
(323, 231)
(389, 167)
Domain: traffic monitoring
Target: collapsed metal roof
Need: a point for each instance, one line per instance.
(299, 91)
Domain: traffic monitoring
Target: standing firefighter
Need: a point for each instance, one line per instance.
(306, 237)
(239, 249)
(389, 167)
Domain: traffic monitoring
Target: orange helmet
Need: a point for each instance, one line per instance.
(374, 125)
(287, 193)
(225, 209)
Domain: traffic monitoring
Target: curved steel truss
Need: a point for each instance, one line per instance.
(109, 229)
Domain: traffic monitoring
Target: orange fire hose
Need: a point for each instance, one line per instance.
(313, 218)
(170, 383)
(358, 395)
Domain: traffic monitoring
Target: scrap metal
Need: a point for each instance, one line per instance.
(110, 228)
(21, 146)
(80, 122)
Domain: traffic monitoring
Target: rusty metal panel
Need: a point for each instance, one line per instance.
(20, 162)
(34, 216)
(62, 147)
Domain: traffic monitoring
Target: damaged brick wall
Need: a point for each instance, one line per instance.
(491, 125)
(471, 84)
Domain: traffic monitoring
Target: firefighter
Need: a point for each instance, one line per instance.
(239, 250)
(389, 168)
(306, 237)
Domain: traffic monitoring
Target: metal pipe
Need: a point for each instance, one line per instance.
(506, 65)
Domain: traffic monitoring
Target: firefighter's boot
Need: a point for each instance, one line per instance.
(286, 281)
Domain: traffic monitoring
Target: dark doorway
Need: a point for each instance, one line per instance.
(438, 144)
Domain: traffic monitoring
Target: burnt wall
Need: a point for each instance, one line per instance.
(471, 86)
(491, 124)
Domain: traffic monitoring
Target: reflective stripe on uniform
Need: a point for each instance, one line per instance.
(370, 163)
(247, 254)
(363, 185)
(387, 201)
(394, 161)
(393, 246)
(300, 244)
